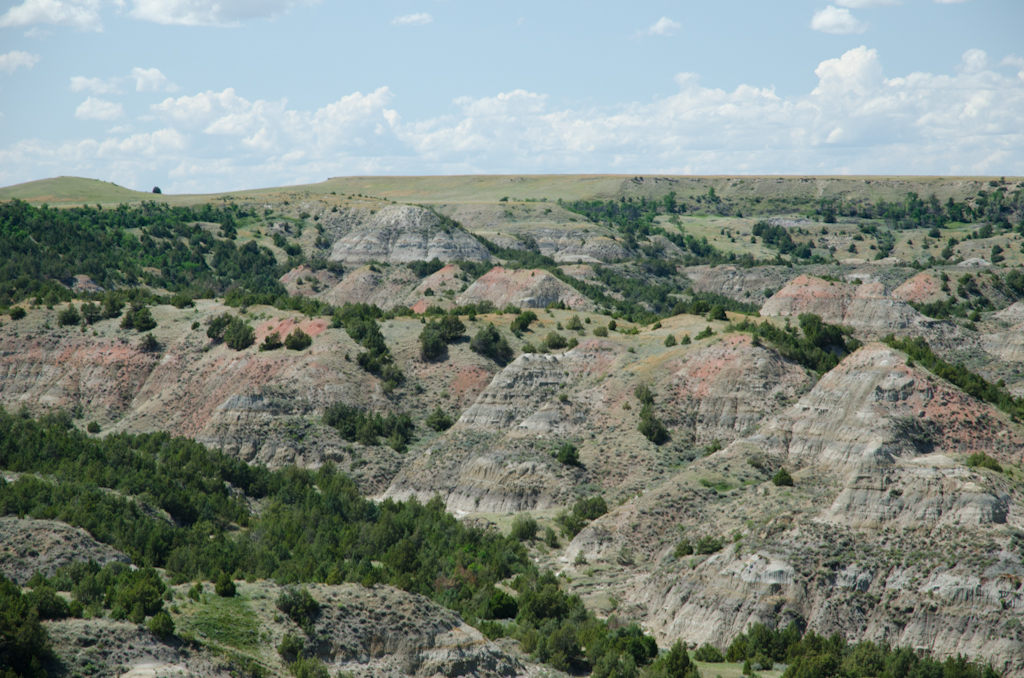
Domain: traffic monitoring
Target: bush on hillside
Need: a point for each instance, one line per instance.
(298, 340)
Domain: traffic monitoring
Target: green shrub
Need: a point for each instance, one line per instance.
(705, 333)
(524, 527)
(707, 545)
(49, 605)
(491, 343)
(300, 607)
(149, 344)
(574, 323)
(685, 341)
(271, 342)
(984, 461)
(161, 625)
(670, 341)
(138, 318)
(782, 478)
(17, 313)
(555, 341)
(708, 653)
(651, 427)
(612, 325)
(550, 538)
(93, 427)
(583, 511)
(521, 323)
(291, 647)
(717, 312)
(224, 586)
(432, 345)
(69, 316)
(298, 340)
(683, 548)
(568, 455)
(600, 331)
(439, 420)
(181, 301)
(238, 335)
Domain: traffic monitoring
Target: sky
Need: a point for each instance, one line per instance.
(200, 96)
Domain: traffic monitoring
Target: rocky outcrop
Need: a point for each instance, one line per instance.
(807, 294)
(724, 390)
(305, 281)
(876, 449)
(868, 308)
(526, 288)
(748, 285)
(923, 288)
(403, 233)
(370, 285)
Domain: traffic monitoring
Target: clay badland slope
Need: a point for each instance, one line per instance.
(885, 535)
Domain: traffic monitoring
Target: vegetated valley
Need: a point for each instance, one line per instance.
(503, 426)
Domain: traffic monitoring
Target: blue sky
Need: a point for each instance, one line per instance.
(211, 95)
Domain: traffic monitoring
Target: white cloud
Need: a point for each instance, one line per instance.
(419, 19)
(973, 61)
(80, 83)
(837, 21)
(855, 120)
(152, 80)
(866, 4)
(99, 109)
(14, 60)
(663, 26)
(80, 14)
(210, 12)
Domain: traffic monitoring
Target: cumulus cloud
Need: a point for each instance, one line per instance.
(80, 83)
(856, 119)
(663, 26)
(419, 19)
(99, 109)
(210, 12)
(152, 80)
(80, 14)
(836, 21)
(14, 60)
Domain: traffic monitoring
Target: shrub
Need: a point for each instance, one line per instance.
(521, 323)
(782, 478)
(717, 312)
(432, 345)
(708, 653)
(439, 420)
(93, 427)
(490, 342)
(291, 647)
(683, 548)
(309, 667)
(568, 455)
(612, 325)
(670, 341)
(600, 331)
(705, 333)
(271, 342)
(707, 545)
(550, 538)
(685, 341)
(161, 625)
(17, 313)
(524, 527)
(555, 341)
(224, 586)
(984, 461)
(651, 427)
(298, 340)
(238, 335)
(181, 301)
(149, 344)
(48, 603)
(644, 394)
(574, 323)
(218, 326)
(69, 316)
(139, 318)
(300, 607)
(91, 313)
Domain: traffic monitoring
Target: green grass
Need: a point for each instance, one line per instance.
(72, 190)
(225, 621)
(728, 670)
